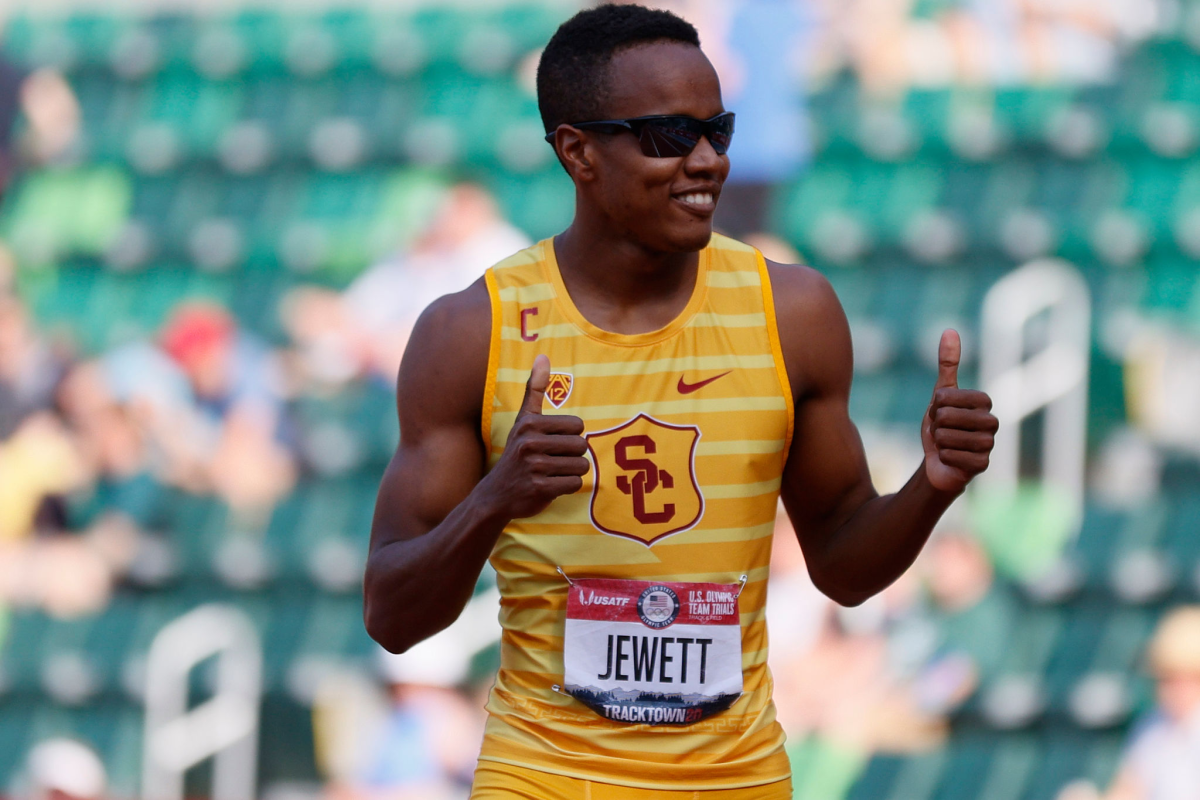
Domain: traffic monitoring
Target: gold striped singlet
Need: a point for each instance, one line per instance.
(634, 648)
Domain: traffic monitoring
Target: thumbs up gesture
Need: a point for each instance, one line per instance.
(959, 429)
(543, 457)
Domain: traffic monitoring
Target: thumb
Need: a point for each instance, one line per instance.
(535, 387)
(949, 354)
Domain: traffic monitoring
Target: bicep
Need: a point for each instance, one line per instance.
(440, 388)
(826, 475)
(425, 480)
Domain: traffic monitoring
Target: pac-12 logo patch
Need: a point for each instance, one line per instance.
(658, 606)
(559, 388)
(645, 485)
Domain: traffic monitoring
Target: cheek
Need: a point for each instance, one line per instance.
(640, 184)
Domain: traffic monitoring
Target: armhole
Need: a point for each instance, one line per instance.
(489, 387)
(776, 349)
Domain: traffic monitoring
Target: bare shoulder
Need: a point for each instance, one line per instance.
(813, 332)
(801, 289)
(444, 370)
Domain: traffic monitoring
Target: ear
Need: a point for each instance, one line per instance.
(575, 152)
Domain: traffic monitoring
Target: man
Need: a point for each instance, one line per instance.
(700, 381)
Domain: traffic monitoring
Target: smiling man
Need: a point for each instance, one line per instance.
(610, 417)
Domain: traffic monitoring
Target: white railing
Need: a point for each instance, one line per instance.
(1052, 379)
(224, 727)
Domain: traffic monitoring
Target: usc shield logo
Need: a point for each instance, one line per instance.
(645, 485)
(559, 388)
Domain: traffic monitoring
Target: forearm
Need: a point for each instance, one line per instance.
(878, 541)
(415, 587)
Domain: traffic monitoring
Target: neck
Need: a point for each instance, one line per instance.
(620, 285)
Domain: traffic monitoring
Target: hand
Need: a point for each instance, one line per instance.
(959, 429)
(543, 457)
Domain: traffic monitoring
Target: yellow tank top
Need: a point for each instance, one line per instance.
(688, 428)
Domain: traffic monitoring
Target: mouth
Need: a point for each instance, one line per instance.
(701, 203)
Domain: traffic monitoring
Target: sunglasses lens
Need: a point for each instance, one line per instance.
(670, 138)
(720, 133)
(673, 137)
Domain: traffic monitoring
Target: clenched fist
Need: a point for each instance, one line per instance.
(543, 457)
(959, 429)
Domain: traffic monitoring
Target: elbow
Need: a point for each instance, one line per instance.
(850, 599)
(837, 590)
(380, 624)
(385, 635)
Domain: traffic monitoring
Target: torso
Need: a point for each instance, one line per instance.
(688, 430)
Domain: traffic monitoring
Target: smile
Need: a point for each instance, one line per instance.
(697, 201)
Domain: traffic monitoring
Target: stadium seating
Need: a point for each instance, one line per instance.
(218, 153)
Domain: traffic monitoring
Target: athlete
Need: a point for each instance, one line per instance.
(610, 417)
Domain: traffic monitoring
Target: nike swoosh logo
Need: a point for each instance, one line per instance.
(687, 388)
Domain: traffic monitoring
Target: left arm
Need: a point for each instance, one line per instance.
(856, 542)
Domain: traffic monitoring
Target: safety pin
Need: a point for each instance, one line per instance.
(565, 578)
(742, 581)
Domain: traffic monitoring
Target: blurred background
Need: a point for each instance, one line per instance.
(220, 220)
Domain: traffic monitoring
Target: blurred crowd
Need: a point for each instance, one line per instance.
(92, 447)
(88, 445)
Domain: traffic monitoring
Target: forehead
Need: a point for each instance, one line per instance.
(662, 78)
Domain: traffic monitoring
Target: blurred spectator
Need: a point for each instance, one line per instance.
(974, 615)
(363, 331)
(50, 108)
(29, 370)
(836, 694)
(892, 45)
(64, 769)
(39, 464)
(1163, 758)
(237, 396)
(425, 745)
(766, 39)
(53, 114)
(1162, 385)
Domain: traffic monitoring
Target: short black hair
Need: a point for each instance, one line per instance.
(572, 76)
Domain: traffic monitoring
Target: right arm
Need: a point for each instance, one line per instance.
(438, 515)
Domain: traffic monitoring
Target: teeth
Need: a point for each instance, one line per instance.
(698, 198)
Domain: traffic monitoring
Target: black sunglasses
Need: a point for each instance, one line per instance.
(667, 135)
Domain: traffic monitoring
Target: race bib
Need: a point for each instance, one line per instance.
(653, 653)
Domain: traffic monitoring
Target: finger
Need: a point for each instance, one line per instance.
(558, 445)
(971, 463)
(535, 387)
(555, 424)
(962, 398)
(949, 354)
(564, 465)
(562, 484)
(966, 419)
(973, 441)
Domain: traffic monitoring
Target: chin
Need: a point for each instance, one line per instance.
(691, 239)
